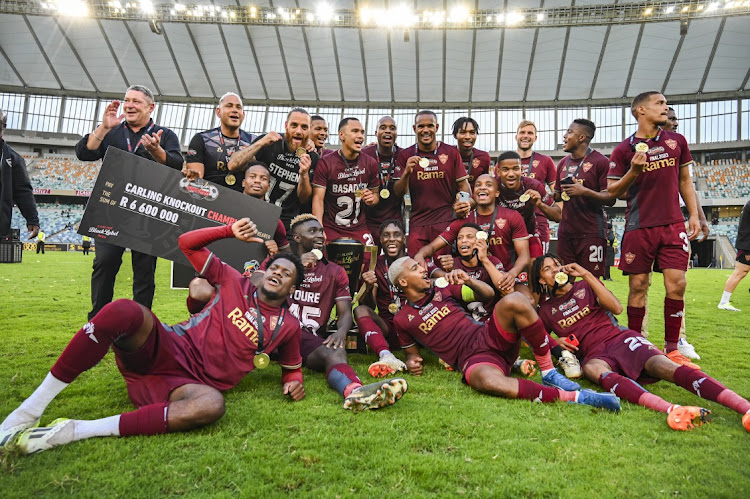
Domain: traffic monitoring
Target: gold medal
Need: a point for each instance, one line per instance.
(301, 151)
(641, 147)
(230, 179)
(561, 278)
(441, 282)
(524, 197)
(393, 308)
(385, 193)
(318, 254)
(424, 162)
(261, 360)
(564, 196)
(482, 235)
(358, 193)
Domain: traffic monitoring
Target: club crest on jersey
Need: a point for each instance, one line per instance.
(500, 222)
(410, 317)
(274, 321)
(580, 294)
(554, 310)
(612, 164)
(536, 163)
(586, 166)
(438, 296)
(671, 143)
(475, 163)
(629, 257)
(443, 158)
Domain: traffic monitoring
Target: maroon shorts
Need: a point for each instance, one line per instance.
(743, 257)
(493, 346)
(535, 247)
(308, 344)
(543, 231)
(361, 234)
(588, 252)
(667, 244)
(626, 354)
(153, 371)
(422, 236)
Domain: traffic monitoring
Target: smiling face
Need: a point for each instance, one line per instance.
(279, 279)
(465, 240)
(386, 132)
(413, 277)
(309, 235)
(485, 190)
(352, 136)
(466, 137)
(319, 133)
(393, 241)
(256, 181)
(509, 171)
(297, 130)
(426, 128)
(137, 108)
(230, 112)
(525, 137)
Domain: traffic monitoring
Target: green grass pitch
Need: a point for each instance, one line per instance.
(441, 438)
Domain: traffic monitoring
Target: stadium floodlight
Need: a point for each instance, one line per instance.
(324, 12)
(71, 8)
(648, 11)
(147, 6)
(713, 6)
(458, 14)
(669, 9)
(514, 18)
(540, 16)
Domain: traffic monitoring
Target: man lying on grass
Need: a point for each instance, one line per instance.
(613, 356)
(175, 374)
(484, 352)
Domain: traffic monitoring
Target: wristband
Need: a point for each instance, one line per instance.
(96, 136)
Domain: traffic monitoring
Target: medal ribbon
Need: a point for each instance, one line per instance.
(583, 160)
(531, 164)
(127, 137)
(655, 139)
(416, 149)
(389, 172)
(492, 223)
(261, 346)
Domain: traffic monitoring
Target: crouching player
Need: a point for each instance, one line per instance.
(483, 352)
(614, 356)
(173, 373)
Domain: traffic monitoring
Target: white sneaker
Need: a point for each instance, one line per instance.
(9, 435)
(728, 306)
(570, 365)
(60, 431)
(687, 349)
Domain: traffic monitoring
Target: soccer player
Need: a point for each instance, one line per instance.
(139, 135)
(581, 185)
(209, 152)
(175, 374)
(476, 161)
(290, 164)
(513, 187)
(619, 359)
(684, 347)
(742, 263)
(15, 187)
(483, 352)
(504, 227)
(319, 135)
(536, 166)
(381, 294)
(649, 169)
(255, 184)
(391, 205)
(325, 284)
(342, 183)
(434, 188)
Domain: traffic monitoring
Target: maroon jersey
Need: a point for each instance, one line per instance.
(313, 301)
(508, 227)
(510, 199)
(221, 341)
(342, 208)
(387, 208)
(478, 163)
(578, 312)
(433, 188)
(582, 216)
(539, 167)
(479, 272)
(280, 235)
(653, 199)
(439, 323)
(386, 292)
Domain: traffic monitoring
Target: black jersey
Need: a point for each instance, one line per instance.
(743, 234)
(283, 165)
(213, 149)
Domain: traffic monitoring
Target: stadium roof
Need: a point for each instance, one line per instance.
(562, 52)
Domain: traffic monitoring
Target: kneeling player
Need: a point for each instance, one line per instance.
(613, 356)
(173, 373)
(484, 352)
(325, 284)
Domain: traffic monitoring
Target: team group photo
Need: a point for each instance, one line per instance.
(348, 249)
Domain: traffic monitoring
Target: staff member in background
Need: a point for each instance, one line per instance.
(86, 243)
(139, 135)
(15, 187)
(40, 242)
(209, 151)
